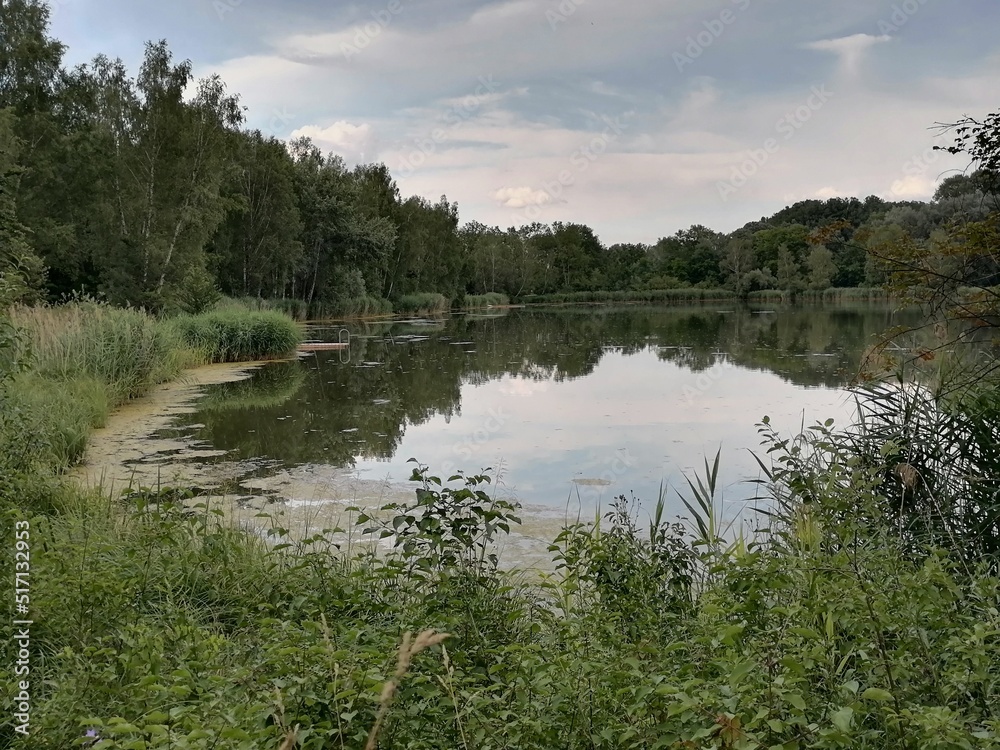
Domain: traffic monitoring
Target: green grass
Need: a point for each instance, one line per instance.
(428, 303)
(236, 336)
(359, 307)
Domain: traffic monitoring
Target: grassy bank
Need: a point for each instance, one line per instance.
(72, 365)
(841, 624)
(360, 307)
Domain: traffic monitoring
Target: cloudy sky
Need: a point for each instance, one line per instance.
(637, 117)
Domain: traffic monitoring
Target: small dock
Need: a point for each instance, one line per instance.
(343, 342)
(321, 346)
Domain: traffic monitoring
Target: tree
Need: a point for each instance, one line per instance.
(822, 269)
(21, 271)
(738, 263)
(30, 59)
(768, 244)
(167, 161)
(789, 273)
(257, 248)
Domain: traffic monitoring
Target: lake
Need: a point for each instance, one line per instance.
(571, 407)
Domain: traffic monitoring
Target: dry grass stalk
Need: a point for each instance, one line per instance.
(409, 648)
(289, 742)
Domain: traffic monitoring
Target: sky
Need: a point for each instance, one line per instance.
(636, 117)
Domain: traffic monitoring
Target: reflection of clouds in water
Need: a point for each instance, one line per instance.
(523, 387)
(553, 445)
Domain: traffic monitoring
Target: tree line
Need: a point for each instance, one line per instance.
(150, 191)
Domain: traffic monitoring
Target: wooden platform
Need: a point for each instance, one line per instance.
(321, 346)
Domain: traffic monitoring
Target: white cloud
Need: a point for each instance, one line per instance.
(521, 197)
(356, 143)
(825, 193)
(850, 49)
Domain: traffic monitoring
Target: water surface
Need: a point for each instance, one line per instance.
(570, 407)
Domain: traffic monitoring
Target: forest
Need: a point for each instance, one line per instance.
(147, 189)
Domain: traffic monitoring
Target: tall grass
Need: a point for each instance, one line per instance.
(297, 309)
(235, 336)
(856, 294)
(833, 295)
(771, 296)
(424, 303)
(127, 350)
(668, 296)
(357, 307)
(480, 301)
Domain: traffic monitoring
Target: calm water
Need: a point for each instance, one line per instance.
(572, 406)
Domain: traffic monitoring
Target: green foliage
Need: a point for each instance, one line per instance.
(447, 528)
(206, 637)
(196, 292)
(233, 336)
(613, 568)
(21, 270)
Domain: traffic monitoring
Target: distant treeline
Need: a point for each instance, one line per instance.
(134, 189)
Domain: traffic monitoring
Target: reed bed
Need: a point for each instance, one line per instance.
(126, 349)
(668, 296)
(235, 336)
(424, 303)
(481, 301)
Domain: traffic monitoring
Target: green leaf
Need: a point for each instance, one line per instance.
(740, 671)
(843, 718)
(796, 700)
(876, 694)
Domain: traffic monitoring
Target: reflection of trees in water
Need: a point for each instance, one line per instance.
(320, 410)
